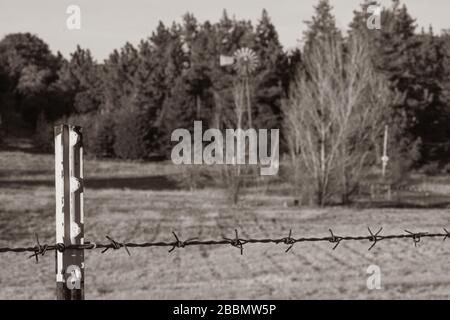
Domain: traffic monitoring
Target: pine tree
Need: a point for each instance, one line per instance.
(148, 97)
(321, 26)
(131, 135)
(396, 59)
(360, 17)
(293, 62)
(392, 50)
(80, 79)
(267, 42)
(415, 67)
(175, 68)
(167, 56)
(196, 75)
(224, 31)
(431, 119)
(273, 68)
(119, 72)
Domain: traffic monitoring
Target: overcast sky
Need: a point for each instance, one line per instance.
(108, 24)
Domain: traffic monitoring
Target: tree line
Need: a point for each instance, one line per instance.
(131, 102)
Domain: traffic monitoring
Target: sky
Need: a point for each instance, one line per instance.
(108, 24)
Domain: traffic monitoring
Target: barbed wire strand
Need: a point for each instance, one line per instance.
(238, 242)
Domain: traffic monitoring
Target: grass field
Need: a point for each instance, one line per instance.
(140, 202)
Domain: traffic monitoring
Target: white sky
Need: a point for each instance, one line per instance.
(108, 24)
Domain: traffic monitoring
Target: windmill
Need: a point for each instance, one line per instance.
(245, 61)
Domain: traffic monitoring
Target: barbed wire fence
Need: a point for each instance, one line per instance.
(70, 243)
(238, 242)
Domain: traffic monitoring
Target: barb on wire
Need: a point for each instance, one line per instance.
(236, 242)
(334, 239)
(115, 245)
(374, 237)
(40, 249)
(447, 234)
(416, 236)
(178, 243)
(288, 241)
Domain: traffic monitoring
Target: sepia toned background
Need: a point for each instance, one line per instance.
(344, 97)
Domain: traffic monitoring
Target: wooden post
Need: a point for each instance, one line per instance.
(69, 212)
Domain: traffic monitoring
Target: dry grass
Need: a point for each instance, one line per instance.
(148, 208)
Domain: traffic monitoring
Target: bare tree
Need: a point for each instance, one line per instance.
(336, 107)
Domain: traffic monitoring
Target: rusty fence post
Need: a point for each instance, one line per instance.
(69, 212)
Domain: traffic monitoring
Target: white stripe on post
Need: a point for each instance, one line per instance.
(69, 212)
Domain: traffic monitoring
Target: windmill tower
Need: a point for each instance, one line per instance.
(245, 61)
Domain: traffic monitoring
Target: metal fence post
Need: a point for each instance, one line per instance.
(69, 212)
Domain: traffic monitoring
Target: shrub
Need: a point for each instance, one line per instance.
(103, 136)
(432, 168)
(132, 135)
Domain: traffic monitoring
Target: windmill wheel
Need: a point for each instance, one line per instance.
(246, 61)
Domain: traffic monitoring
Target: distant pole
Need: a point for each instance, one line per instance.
(69, 212)
(384, 158)
(249, 104)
